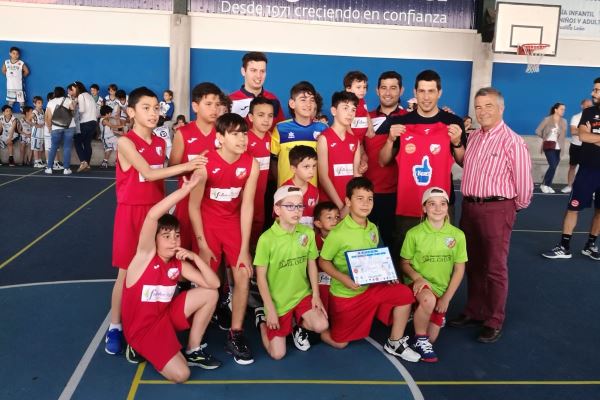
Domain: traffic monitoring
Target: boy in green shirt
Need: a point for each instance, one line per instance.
(352, 307)
(433, 262)
(284, 253)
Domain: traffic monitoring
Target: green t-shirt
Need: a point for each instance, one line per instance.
(433, 253)
(347, 236)
(285, 255)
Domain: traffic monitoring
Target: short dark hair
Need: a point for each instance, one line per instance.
(299, 153)
(429, 75)
(113, 87)
(180, 117)
(258, 101)
(121, 94)
(59, 91)
(302, 87)
(354, 76)
(343, 97)
(597, 80)
(322, 207)
(14, 48)
(230, 122)
(390, 75)
(95, 86)
(6, 107)
(167, 222)
(105, 110)
(359, 182)
(50, 96)
(204, 89)
(37, 98)
(554, 108)
(253, 56)
(136, 95)
(27, 109)
(225, 100)
(169, 91)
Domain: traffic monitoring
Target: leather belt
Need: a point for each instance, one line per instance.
(473, 199)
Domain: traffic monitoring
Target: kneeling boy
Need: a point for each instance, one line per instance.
(352, 307)
(283, 255)
(151, 314)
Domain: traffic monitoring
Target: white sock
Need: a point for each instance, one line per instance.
(115, 326)
(190, 351)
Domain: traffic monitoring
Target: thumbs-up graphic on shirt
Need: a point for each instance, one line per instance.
(422, 172)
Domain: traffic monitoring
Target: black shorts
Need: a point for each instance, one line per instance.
(586, 184)
(574, 154)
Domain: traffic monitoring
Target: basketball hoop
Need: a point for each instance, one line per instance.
(534, 52)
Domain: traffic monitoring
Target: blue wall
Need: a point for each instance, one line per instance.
(529, 97)
(59, 64)
(326, 73)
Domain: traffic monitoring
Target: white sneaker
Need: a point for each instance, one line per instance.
(67, 171)
(546, 189)
(48, 171)
(38, 164)
(300, 336)
(57, 166)
(400, 348)
(566, 189)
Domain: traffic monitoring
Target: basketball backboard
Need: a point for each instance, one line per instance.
(519, 23)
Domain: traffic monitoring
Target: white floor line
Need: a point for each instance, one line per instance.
(71, 386)
(55, 283)
(412, 385)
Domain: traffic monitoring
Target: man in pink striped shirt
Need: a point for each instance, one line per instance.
(496, 183)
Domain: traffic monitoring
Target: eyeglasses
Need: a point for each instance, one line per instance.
(293, 207)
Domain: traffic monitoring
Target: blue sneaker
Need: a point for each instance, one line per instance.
(424, 347)
(114, 341)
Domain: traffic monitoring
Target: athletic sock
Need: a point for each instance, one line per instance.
(190, 351)
(591, 240)
(115, 326)
(565, 241)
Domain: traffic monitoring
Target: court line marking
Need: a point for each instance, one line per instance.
(19, 177)
(84, 363)
(98, 178)
(136, 381)
(21, 285)
(412, 386)
(59, 223)
(355, 382)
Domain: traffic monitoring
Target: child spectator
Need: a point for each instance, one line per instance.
(163, 132)
(327, 216)
(322, 118)
(26, 126)
(37, 133)
(9, 132)
(152, 313)
(290, 292)
(15, 70)
(123, 116)
(303, 164)
(259, 146)
(221, 211)
(107, 134)
(179, 122)
(111, 100)
(224, 105)
(167, 107)
(434, 254)
(139, 186)
(352, 307)
(301, 129)
(357, 82)
(57, 164)
(95, 92)
(338, 151)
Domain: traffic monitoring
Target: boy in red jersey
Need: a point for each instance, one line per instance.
(357, 82)
(254, 71)
(151, 312)
(338, 151)
(139, 186)
(221, 215)
(327, 216)
(303, 164)
(192, 140)
(259, 147)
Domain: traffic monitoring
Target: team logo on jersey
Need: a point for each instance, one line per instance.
(373, 237)
(253, 144)
(408, 138)
(241, 173)
(157, 266)
(159, 150)
(303, 240)
(316, 134)
(426, 130)
(312, 202)
(214, 171)
(332, 145)
(410, 148)
(141, 150)
(291, 135)
(173, 273)
(192, 140)
(450, 242)
(422, 172)
(435, 148)
(352, 145)
(574, 203)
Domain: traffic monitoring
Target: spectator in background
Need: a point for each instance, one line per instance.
(15, 70)
(575, 148)
(86, 105)
(59, 134)
(468, 121)
(225, 104)
(552, 130)
(179, 122)
(167, 107)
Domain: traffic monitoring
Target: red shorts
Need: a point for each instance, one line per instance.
(159, 344)
(186, 232)
(324, 294)
(285, 321)
(126, 232)
(223, 239)
(436, 318)
(351, 318)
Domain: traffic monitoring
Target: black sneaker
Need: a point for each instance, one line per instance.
(11, 161)
(237, 346)
(300, 336)
(133, 356)
(202, 359)
(222, 316)
(259, 316)
(558, 251)
(592, 252)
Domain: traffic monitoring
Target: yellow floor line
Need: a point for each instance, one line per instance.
(136, 381)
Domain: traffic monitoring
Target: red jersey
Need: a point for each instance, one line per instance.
(385, 178)
(195, 141)
(225, 182)
(131, 187)
(149, 297)
(340, 161)
(360, 124)
(241, 104)
(260, 149)
(309, 200)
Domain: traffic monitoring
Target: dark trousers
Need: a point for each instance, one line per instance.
(83, 141)
(487, 227)
(384, 215)
(553, 157)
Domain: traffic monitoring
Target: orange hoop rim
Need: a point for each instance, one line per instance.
(531, 48)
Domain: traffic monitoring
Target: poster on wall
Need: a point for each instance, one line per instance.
(578, 18)
(456, 14)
